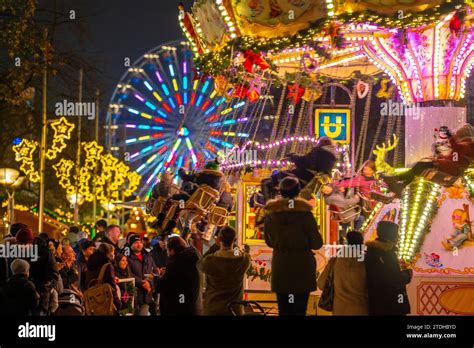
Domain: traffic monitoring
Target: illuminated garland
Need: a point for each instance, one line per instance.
(214, 63)
(100, 176)
(25, 150)
(418, 207)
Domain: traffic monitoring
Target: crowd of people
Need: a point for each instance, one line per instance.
(166, 271)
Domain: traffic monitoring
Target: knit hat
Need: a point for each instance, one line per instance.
(24, 236)
(388, 231)
(133, 239)
(212, 165)
(20, 266)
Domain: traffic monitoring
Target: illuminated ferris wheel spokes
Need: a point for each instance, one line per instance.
(167, 118)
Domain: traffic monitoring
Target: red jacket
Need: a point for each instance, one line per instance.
(460, 159)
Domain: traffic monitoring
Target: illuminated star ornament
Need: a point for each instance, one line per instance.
(24, 154)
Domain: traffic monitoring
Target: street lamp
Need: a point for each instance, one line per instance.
(76, 199)
(11, 179)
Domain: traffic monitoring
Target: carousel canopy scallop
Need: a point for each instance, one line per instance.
(386, 7)
(275, 18)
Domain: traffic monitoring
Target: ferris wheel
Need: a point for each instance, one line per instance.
(161, 115)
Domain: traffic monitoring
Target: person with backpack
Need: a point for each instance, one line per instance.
(100, 270)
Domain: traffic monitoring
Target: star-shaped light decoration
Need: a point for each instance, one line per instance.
(62, 128)
(25, 150)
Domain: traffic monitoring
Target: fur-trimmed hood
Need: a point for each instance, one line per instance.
(288, 205)
(381, 245)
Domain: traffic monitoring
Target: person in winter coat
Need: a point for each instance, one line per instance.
(179, 287)
(386, 281)
(43, 269)
(350, 280)
(19, 296)
(210, 176)
(321, 159)
(68, 269)
(100, 227)
(226, 200)
(122, 271)
(364, 182)
(225, 268)
(142, 268)
(105, 254)
(455, 163)
(112, 237)
(291, 230)
(158, 253)
(87, 249)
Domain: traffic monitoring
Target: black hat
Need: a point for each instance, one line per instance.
(388, 231)
(290, 187)
(133, 239)
(355, 238)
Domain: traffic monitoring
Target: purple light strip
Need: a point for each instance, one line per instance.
(131, 126)
(157, 73)
(185, 68)
(140, 98)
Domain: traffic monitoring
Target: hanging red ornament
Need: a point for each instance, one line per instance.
(240, 91)
(252, 96)
(252, 58)
(295, 93)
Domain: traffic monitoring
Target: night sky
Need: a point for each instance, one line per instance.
(121, 28)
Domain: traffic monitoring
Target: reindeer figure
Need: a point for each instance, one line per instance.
(380, 152)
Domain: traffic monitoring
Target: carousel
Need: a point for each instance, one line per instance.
(379, 84)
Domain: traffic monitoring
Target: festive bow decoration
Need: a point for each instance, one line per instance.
(334, 33)
(252, 59)
(295, 93)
